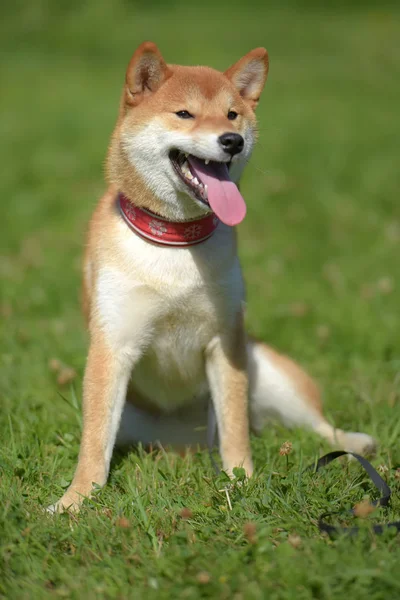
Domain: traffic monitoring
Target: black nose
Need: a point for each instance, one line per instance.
(231, 142)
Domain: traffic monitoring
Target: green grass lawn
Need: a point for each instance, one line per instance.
(320, 249)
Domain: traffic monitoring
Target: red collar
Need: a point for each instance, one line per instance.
(163, 232)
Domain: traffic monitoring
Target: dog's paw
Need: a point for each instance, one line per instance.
(70, 502)
(360, 443)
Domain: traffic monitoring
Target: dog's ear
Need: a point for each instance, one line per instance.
(249, 74)
(146, 72)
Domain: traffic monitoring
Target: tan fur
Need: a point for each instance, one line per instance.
(232, 397)
(166, 325)
(99, 379)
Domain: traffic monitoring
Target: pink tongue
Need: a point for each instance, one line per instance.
(223, 195)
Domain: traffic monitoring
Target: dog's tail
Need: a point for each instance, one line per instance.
(280, 389)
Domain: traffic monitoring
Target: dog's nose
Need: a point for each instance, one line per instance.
(231, 142)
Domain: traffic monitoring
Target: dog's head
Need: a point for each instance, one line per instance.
(185, 133)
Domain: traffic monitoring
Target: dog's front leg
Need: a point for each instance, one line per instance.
(226, 367)
(104, 391)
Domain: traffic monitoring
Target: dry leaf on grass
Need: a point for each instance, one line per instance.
(186, 513)
(294, 540)
(363, 509)
(203, 577)
(250, 530)
(123, 523)
(66, 375)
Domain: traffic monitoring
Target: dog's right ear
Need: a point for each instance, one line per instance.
(146, 72)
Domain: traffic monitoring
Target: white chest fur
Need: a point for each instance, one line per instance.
(162, 306)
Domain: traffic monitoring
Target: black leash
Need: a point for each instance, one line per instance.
(378, 482)
(325, 460)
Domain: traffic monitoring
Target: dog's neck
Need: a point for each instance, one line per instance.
(161, 231)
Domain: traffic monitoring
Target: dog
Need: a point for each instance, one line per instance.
(163, 292)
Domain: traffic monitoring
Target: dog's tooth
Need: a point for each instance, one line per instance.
(189, 175)
(196, 181)
(207, 161)
(206, 189)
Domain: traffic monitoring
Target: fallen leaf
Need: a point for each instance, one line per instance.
(250, 530)
(294, 540)
(54, 364)
(123, 522)
(363, 509)
(203, 577)
(66, 375)
(186, 514)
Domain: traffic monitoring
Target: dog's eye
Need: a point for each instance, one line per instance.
(184, 114)
(232, 115)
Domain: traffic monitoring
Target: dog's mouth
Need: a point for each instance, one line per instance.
(209, 182)
(181, 165)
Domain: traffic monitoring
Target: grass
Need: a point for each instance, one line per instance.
(319, 247)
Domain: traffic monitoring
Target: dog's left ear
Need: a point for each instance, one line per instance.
(249, 74)
(146, 72)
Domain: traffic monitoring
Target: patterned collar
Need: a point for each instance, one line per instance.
(166, 233)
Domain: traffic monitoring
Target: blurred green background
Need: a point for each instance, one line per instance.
(322, 233)
(320, 245)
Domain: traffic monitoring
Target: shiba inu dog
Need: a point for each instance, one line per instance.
(163, 289)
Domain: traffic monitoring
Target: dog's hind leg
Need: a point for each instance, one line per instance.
(280, 389)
